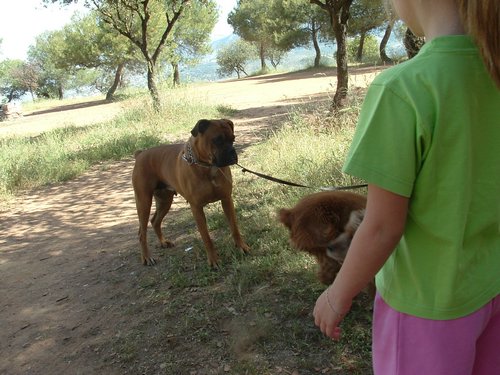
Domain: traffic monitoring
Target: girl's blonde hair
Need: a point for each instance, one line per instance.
(481, 19)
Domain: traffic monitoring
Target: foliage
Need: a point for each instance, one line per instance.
(251, 22)
(370, 49)
(189, 38)
(275, 56)
(91, 44)
(366, 15)
(17, 78)
(191, 35)
(46, 54)
(11, 84)
(234, 57)
(302, 25)
(275, 26)
(148, 25)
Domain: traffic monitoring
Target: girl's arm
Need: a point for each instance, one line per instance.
(373, 242)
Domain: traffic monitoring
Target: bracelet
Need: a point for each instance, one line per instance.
(341, 316)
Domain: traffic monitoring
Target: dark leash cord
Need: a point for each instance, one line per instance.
(326, 188)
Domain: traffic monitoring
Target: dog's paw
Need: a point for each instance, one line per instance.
(214, 264)
(150, 261)
(243, 246)
(215, 267)
(166, 244)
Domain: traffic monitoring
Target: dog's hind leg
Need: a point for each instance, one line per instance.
(228, 207)
(163, 199)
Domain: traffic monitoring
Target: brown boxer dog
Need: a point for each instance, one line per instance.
(199, 171)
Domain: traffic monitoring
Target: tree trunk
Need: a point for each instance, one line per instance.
(263, 65)
(383, 43)
(153, 89)
(60, 92)
(412, 43)
(176, 74)
(314, 36)
(116, 82)
(361, 46)
(339, 20)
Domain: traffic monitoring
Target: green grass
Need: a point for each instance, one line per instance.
(254, 315)
(62, 154)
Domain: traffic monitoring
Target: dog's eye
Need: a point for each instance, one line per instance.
(219, 141)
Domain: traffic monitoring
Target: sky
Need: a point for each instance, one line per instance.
(21, 21)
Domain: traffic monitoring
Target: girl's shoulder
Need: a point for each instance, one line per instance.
(438, 60)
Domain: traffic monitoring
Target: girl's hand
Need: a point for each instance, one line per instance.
(328, 315)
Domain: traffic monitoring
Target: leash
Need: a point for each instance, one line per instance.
(325, 188)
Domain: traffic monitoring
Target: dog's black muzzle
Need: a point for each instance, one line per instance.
(226, 157)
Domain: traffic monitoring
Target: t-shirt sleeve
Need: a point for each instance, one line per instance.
(384, 150)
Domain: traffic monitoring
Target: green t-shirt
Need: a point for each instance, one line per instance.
(429, 130)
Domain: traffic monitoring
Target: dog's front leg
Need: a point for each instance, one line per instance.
(228, 207)
(201, 223)
(143, 204)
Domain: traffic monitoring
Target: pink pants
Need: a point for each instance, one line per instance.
(407, 345)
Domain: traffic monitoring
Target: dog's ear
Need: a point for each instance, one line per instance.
(230, 123)
(286, 217)
(200, 127)
(355, 219)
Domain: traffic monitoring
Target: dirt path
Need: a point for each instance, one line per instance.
(69, 257)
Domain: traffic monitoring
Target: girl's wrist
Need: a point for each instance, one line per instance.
(340, 313)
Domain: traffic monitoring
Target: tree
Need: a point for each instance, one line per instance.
(148, 24)
(133, 19)
(190, 37)
(412, 43)
(10, 85)
(92, 44)
(385, 39)
(233, 58)
(300, 25)
(27, 76)
(251, 22)
(275, 55)
(370, 53)
(338, 11)
(46, 54)
(366, 15)
(277, 26)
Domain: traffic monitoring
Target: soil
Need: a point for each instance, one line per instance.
(69, 255)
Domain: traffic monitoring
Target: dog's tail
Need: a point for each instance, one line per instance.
(137, 153)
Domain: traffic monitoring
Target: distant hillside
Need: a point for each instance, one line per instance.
(217, 44)
(296, 59)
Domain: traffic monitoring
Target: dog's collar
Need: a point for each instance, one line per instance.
(190, 158)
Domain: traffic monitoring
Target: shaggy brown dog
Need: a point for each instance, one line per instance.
(337, 249)
(316, 221)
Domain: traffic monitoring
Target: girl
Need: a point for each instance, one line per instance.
(427, 143)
